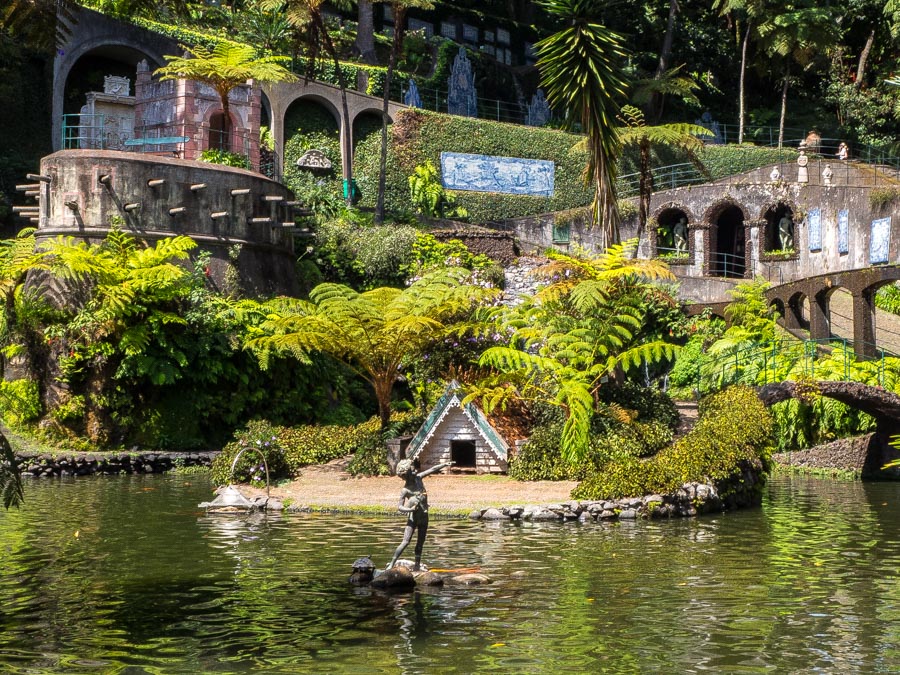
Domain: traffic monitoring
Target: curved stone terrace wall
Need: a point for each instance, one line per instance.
(84, 192)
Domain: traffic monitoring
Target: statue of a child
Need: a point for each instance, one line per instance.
(414, 503)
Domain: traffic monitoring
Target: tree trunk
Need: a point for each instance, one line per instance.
(863, 60)
(741, 86)
(365, 32)
(784, 91)
(665, 55)
(383, 390)
(346, 141)
(225, 141)
(646, 187)
(399, 22)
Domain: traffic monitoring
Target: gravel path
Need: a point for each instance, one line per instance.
(331, 487)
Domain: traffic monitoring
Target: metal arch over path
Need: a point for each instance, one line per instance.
(862, 285)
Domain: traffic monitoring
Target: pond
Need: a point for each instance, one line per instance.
(127, 575)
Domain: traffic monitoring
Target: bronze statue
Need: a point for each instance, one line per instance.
(414, 503)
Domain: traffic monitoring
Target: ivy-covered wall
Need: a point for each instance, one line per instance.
(418, 136)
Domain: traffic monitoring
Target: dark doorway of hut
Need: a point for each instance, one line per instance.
(463, 453)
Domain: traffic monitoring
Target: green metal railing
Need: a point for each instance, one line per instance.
(779, 360)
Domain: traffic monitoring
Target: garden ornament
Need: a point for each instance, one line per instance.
(414, 503)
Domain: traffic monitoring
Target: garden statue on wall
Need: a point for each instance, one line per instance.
(802, 162)
(680, 233)
(786, 232)
(827, 175)
(414, 502)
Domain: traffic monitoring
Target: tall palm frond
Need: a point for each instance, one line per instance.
(581, 73)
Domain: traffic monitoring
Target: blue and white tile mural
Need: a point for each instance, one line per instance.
(814, 220)
(843, 231)
(509, 175)
(880, 244)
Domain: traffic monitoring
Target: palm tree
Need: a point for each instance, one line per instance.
(635, 132)
(798, 33)
(374, 333)
(227, 66)
(581, 73)
(398, 9)
(572, 336)
(749, 11)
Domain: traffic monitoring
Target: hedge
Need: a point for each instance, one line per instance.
(734, 431)
(418, 136)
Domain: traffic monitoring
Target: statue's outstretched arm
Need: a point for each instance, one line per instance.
(435, 469)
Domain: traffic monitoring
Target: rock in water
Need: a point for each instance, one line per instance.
(469, 579)
(428, 579)
(395, 577)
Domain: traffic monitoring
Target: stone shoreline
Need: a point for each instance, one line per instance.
(57, 464)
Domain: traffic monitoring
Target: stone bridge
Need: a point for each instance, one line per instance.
(883, 405)
(817, 291)
(100, 42)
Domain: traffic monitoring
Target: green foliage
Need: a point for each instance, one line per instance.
(309, 126)
(882, 197)
(419, 137)
(364, 255)
(888, 298)
(215, 156)
(728, 160)
(734, 431)
(565, 342)
(258, 438)
(430, 254)
(429, 197)
(540, 458)
(20, 401)
(314, 444)
(647, 403)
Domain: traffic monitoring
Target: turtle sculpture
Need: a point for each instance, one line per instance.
(363, 571)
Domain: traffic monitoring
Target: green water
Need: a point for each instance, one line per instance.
(126, 575)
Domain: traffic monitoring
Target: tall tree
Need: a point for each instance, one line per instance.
(797, 34)
(399, 9)
(307, 15)
(570, 338)
(365, 32)
(375, 333)
(744, 13)
(226, 66)
(636, 132)
(581, 71)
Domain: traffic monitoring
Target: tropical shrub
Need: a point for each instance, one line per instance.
(215, 156)
(428, 196)
(20, 401)
(429, 253)
(734, 431)
(363, 255)
(258, 437)
(314, 444)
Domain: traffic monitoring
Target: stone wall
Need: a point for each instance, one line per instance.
(499, 246)
(219, 207)
(47, 465)
(864, 455)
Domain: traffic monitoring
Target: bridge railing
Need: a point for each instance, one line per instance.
(784, 359)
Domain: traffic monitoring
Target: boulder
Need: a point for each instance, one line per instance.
(395, 577)
(471, 579)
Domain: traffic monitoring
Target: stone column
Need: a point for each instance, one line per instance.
(819, 316)
(864, 324)
(793, 312)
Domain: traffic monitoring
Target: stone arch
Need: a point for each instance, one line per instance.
(778, 305)
(796, 314)
(770, 216)
(213, 130)
(727, 239)
(662, 236)
(113, 46)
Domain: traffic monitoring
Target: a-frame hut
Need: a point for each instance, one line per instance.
(460, 433)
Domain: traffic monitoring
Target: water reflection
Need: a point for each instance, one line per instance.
(128, 576)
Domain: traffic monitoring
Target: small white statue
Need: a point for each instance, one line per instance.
(775, 176)
(802, 162)
(680, 234)
(827, 173)
(786, 232)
